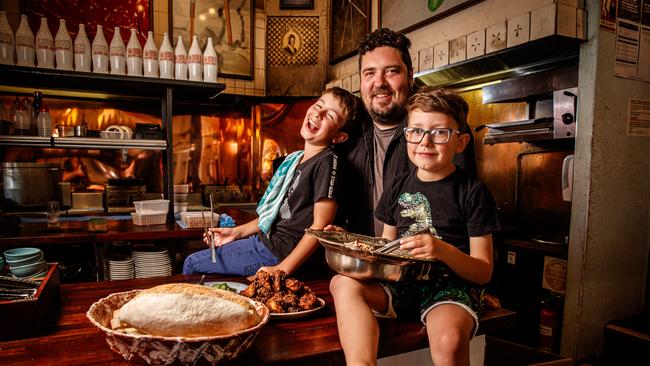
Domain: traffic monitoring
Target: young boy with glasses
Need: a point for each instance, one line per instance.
(460, 214)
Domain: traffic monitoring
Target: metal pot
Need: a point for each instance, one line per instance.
(30, 185)
(368, 265)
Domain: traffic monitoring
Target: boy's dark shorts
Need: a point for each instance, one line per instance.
(407, 299)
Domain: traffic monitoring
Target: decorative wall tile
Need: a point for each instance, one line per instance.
(458, 49)
(581, 24)
(495, 37)
(337, 83)
(518, 30)
(542, 22)
(476, 44)
(441, 55)
(346, 83)
(425, 57)
(355, 83)
(566, 21)
(414, 62)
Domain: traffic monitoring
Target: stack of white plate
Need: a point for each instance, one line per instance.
(151, 261)
(119, 267)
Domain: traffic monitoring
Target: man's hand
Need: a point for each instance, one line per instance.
(334, 228)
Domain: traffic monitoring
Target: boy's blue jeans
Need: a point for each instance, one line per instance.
(242, 257)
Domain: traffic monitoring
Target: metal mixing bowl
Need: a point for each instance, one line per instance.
(366, 265)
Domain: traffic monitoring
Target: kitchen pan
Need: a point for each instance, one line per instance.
(352, 255)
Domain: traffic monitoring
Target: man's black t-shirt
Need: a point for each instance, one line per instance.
(457, 207)
(312, 181)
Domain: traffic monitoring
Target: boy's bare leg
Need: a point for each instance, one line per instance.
(449, 328)
(358, 328)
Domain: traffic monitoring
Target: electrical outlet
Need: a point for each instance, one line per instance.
(512, 258)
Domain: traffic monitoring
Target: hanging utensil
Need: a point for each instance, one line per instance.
(212, 249)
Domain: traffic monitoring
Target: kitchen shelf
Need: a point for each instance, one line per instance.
(115, 86)
(82, 143)
(140, 92)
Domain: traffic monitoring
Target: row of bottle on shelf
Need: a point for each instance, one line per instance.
(28, 117)
(44, 51)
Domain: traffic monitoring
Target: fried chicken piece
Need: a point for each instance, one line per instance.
(249, 291)
(293, 284)
(262, 279)
(290, 299)
(278, 280)
(264, 293)
(308, 301)
(274, 303)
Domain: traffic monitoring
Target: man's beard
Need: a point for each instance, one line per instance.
(393, 116)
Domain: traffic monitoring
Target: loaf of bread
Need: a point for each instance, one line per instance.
(185, 310)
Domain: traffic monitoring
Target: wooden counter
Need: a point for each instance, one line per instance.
(312, 340)
(76, 232)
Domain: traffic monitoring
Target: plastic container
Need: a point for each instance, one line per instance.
(181, 188)
(149, 207)
(180, 206)
(194, 219)
(149, 218)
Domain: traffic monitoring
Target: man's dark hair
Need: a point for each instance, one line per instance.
(386, 37)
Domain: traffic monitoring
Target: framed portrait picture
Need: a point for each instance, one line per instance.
(350, 20)
(228, 22)
(296, 4)
(125, 14)
(421, 13)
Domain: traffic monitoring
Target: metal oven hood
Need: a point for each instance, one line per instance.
(537, 56)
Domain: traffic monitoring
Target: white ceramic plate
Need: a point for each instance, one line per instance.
(236, 285)
(299, 314)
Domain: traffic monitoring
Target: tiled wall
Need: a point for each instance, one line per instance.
(233, 86)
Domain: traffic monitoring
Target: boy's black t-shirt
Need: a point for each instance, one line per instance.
(313, 180)
(458, 207)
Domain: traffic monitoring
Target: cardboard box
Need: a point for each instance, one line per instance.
(30, 318)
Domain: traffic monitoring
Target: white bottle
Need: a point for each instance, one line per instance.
(63, 47)
(134, 55)
(209, 63)
(166, 58)
(194, 60)
(117, 53)
(82, 56)
(100, 52)
(44, 122)
(180, 59)
(44, 46)
(6, 40)
(150, 57)
(25, 48)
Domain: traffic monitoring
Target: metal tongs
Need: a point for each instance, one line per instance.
(392, 246)
(207, 232)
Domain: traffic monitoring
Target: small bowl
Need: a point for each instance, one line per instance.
(20, 253)
(23, 262)
(28, 270)
(115, 135)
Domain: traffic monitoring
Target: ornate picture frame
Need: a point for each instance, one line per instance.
(421, 13)
(296, 4)
(228, 22)
(349, 21)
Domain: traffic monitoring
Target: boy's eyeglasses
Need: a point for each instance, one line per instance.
(415, 135)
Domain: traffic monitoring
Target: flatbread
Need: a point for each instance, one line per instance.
(186, 310)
